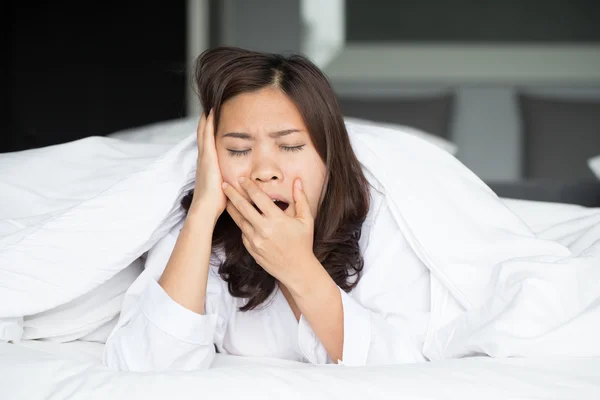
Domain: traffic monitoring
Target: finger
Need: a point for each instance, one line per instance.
(239, 219)
(303, 211)
(242, 205)
(247, 243)
(260, 198)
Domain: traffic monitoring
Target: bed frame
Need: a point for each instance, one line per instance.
(584, 193)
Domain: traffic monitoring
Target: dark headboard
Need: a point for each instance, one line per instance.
(429, 114)
(559, 136)
(584, 193)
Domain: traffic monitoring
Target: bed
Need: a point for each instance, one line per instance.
(40, 370)
(57, 369)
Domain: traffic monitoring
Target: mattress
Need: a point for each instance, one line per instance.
(42, 370)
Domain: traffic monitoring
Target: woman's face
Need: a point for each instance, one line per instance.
(262, 137)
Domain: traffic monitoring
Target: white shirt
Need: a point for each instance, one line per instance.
(385, 316)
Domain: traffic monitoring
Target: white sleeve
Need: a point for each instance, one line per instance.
(386, 310)
(156, 333)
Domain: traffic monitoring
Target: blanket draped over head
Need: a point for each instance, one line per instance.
(77, 216)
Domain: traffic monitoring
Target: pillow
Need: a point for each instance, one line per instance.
(559, 137)
(429, 114)
(435, 140)
(164, 132)
(594, 164)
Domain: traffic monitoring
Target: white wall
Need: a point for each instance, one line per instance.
(323, 29)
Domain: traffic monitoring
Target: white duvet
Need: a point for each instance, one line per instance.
(75, 219)
(73, 371)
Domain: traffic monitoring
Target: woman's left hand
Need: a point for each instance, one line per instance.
(280, 244)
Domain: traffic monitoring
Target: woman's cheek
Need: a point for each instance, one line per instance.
(230, 173)
(318, 182)
(313, 192)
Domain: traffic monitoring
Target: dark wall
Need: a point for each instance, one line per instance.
(78, 69)
(478, 21)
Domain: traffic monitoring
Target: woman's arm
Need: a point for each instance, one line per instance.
(170, 324)
(320, 302)
(376, 327)
(156, 330)
(385, 318)
(184, 278)
(186, 274)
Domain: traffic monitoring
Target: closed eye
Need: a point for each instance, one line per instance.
(293, 149)
(238, 153)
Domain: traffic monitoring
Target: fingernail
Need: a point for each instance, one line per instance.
(299, 184)
(241, 179)
(224, 185)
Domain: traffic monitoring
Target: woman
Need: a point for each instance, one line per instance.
(281, 252)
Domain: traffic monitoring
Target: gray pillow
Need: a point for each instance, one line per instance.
(429, 114)
(559, 136)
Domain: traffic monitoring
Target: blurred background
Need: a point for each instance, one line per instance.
(513, 85)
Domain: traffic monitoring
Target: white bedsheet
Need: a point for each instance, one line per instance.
(38, 370)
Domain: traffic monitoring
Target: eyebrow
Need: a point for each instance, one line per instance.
(274, 135)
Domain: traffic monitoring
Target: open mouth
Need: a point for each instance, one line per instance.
(279, 203)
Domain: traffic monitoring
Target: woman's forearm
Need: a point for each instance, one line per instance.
(185, 276)
(320, 302)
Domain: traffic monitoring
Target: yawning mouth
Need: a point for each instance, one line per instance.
(279, 203)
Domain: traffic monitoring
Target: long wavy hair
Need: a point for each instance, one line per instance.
(224, 72)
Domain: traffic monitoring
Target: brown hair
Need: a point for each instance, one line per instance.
(224, 72)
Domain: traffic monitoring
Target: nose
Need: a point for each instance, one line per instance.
(265, 170)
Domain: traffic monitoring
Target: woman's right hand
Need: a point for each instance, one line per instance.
(209, 199)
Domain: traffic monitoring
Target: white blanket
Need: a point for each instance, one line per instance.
(40, 370)
(497, 288)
